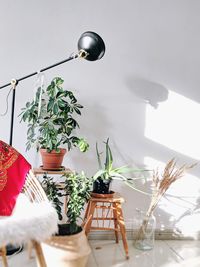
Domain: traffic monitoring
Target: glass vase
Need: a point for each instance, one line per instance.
(145, 231)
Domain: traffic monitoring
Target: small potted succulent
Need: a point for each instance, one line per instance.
(51, 118)
(107, 173)
(70, 246)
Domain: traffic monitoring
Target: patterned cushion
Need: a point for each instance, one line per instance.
(13, 171)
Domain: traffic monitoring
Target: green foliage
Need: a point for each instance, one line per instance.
(78, 188)
(52, 124)
(106, 171)
(53, 193)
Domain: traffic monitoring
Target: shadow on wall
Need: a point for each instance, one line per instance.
(126, 159)
(97, 118)
(184, 222)
(151, 92)
(181, 218)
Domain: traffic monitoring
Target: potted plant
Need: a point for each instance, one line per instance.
(106, 173)
(54, 193)
(70, 247)
(51, 118)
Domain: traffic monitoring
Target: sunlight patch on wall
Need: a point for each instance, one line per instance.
(153, 164)
(175, 124)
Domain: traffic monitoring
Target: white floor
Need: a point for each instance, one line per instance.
(106, 254)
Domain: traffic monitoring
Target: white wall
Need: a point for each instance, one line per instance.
(144, 93)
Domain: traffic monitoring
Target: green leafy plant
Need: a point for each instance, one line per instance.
(53, 193)
(51, 118)
(78, 187)
(107, 172)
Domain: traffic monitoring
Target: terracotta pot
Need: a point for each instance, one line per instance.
(52, 160)
(67, 251)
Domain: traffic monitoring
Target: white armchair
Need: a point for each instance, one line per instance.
(33, 220)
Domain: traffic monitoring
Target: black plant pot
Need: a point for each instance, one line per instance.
(68, 229)
(101, 186)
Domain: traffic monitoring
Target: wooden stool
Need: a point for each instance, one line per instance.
(106, 210)
(3, 255)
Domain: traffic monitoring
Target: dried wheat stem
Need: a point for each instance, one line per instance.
(161, 183)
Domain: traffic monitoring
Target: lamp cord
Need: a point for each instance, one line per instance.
(6, 111)
(39, 83)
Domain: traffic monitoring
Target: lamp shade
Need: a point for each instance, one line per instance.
(93, 44)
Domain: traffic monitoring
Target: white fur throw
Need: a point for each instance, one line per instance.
(29, 221)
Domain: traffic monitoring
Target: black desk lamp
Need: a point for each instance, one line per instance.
(90, 47)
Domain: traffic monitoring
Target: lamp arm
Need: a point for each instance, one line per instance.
(42, 70)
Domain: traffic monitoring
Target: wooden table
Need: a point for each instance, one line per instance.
(42, 171)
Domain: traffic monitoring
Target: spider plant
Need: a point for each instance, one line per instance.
(106, 172)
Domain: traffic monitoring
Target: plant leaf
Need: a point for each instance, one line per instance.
(98, 157)
(98, 174)
(109, 157)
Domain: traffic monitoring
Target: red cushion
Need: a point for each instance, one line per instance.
(13, 171)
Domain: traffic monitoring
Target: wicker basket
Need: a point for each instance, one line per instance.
(67, 251)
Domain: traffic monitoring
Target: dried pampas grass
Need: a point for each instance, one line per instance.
(161, 183)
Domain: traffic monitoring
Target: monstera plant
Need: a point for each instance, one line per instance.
(51, 118)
